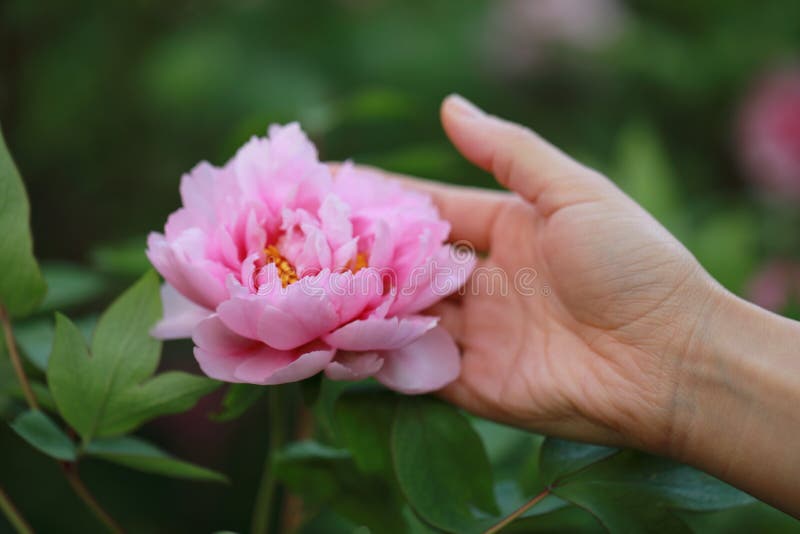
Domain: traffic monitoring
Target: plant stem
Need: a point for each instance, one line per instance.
(518, 512)
(16, 361)
(266, 489)
(71, 473)
(13, 515)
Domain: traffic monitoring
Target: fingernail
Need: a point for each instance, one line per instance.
(464, 107)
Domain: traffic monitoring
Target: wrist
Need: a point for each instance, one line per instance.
(700, 369)
(738, 388)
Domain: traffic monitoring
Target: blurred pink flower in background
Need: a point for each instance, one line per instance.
(774, 285)
(769, 133)
(521, 33)
(279, 269)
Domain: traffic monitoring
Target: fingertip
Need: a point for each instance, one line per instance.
(455, 105)
(465, 125)
(518, 158)
(458, 114)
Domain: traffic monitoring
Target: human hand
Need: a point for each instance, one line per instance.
(595, 350)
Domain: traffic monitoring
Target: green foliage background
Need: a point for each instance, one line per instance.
(104, 105)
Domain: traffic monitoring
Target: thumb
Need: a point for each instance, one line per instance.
(519, 159)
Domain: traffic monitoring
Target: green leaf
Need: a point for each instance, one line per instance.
(238, 399)
(122, 344)
(42, 433)
(510, 498)
(441, 465)
(559, 458)
(21, 284)
(70, 285)
(111, 392)
(301, 451)
(327, 476)
(672, 484)
(35, 337)
(363, 426)
(166, 393)
(80, 397)
(513, 453)
(620, 510)
(143, 456)
(756, 517)
(566, 519)
(636, 492)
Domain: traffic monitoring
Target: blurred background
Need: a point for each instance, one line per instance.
(693, 108)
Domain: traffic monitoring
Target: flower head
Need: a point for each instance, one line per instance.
(279, 268)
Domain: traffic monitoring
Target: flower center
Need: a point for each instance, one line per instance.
(286, 271)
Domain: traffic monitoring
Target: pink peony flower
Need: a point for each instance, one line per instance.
(279, 269)
(769, 133)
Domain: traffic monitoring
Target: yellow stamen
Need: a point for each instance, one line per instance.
(285, 270)
(289, 275)
(359, 263)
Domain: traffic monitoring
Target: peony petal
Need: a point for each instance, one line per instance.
(228, 251)
(197, 193)
(345, 254)
(224, 355)
(442, 276)
(181, 315)
(181, 265)
(354, 365)
(250, 165)
(355, 294)
(428, 364)
(380, 334)
(220, 351)
(217, 366)
(382, 246)
(255, 237)
(335, 222)
(269, 369)
(285, 329)
(285, 319)
(211, 334)
(315, 254)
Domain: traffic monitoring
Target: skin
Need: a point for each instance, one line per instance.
(624, 338)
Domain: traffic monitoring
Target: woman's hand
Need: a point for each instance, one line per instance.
(622, 338)
(591, 348)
